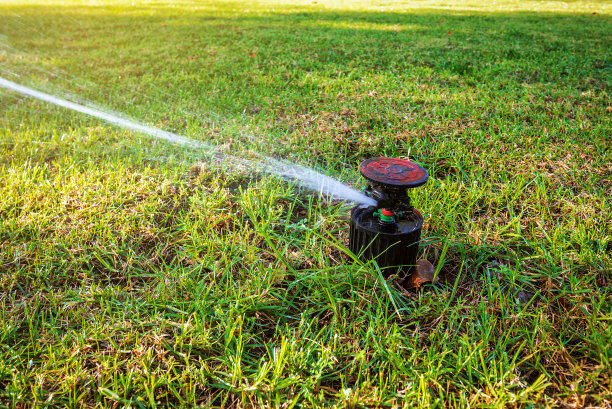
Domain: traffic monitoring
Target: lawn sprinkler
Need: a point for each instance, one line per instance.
(390, 231)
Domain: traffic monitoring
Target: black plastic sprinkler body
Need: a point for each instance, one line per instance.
(390, 231)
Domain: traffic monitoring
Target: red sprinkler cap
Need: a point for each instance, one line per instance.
(386, 212)
(393, 172)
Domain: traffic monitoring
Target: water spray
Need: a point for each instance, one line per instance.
(301, 175)
(388, 232)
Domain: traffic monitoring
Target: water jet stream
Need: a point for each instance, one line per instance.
(305, 177)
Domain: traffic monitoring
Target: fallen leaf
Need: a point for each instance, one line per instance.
(423, 273)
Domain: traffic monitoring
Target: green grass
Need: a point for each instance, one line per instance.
(132, 276)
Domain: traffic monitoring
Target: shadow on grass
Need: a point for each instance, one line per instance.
(293, 52)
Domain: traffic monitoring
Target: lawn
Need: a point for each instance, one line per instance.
(135, 273)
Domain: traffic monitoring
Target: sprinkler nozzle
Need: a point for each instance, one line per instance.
(385, 216)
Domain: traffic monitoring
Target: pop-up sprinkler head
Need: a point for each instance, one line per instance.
(390, 231)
